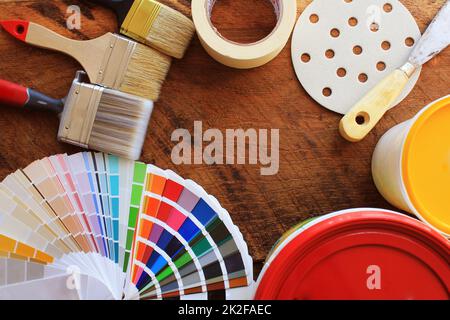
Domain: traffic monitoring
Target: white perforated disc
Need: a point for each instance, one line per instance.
(329, 32)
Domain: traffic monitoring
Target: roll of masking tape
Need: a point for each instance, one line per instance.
(244, 56)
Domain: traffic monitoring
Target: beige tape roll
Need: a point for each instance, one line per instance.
(244, 56)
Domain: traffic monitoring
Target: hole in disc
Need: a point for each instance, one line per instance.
(381, 66)
(314, 18)
(329, 54)
(352, 21)
(385, 45)
(374, 27)
(363, 77)
(357, 50)
(335, 33)
(409, 42)
(387, 7)
(327, 92)
(243, 21)
(341, 72)
(306, 57)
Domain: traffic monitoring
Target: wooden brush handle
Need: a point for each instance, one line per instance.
(40, 36)
(363, 117)
(15, 95)
(89, 53)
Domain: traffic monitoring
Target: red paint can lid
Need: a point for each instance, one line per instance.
(359, 254)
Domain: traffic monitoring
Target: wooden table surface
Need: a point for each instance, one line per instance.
(319, 171)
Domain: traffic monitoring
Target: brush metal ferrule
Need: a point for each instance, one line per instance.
(140, 19)
(115, 62)
(79, 113)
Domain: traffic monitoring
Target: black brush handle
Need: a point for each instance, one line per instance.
(15, 95)
(120, 7)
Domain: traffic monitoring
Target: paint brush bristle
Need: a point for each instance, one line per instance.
(120, 125)
(145, 74)
(159, 26)
(171, 33)
(104, 119)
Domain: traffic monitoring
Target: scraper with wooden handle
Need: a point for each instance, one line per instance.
(361, 119)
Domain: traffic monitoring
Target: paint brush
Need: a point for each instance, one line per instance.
(111, 60)
(154, 24)
(363, 117)
(92, 116)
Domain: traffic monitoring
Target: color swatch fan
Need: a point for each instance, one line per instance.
(95, 226)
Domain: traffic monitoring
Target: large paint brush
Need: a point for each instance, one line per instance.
(110, 60)
(92, 116)
(154, 24)
(363, 117)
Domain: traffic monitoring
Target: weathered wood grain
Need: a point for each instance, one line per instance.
(319, 171)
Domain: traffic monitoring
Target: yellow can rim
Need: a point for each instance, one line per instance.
(421, 208)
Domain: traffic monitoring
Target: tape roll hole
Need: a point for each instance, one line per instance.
(253, 25)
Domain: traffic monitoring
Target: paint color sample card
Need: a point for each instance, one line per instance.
(95, 226)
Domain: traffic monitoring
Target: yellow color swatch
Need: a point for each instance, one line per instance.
(11, 247)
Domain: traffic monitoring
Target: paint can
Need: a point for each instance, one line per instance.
(411, 165)
(358, 254)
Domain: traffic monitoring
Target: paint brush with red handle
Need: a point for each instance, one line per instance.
(110, 61)
(92, 116)
(15, 95)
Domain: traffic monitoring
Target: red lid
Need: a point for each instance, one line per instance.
(367, 254)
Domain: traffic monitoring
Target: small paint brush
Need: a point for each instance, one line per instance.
(111, 60)
(154, 24)
(92, 116)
